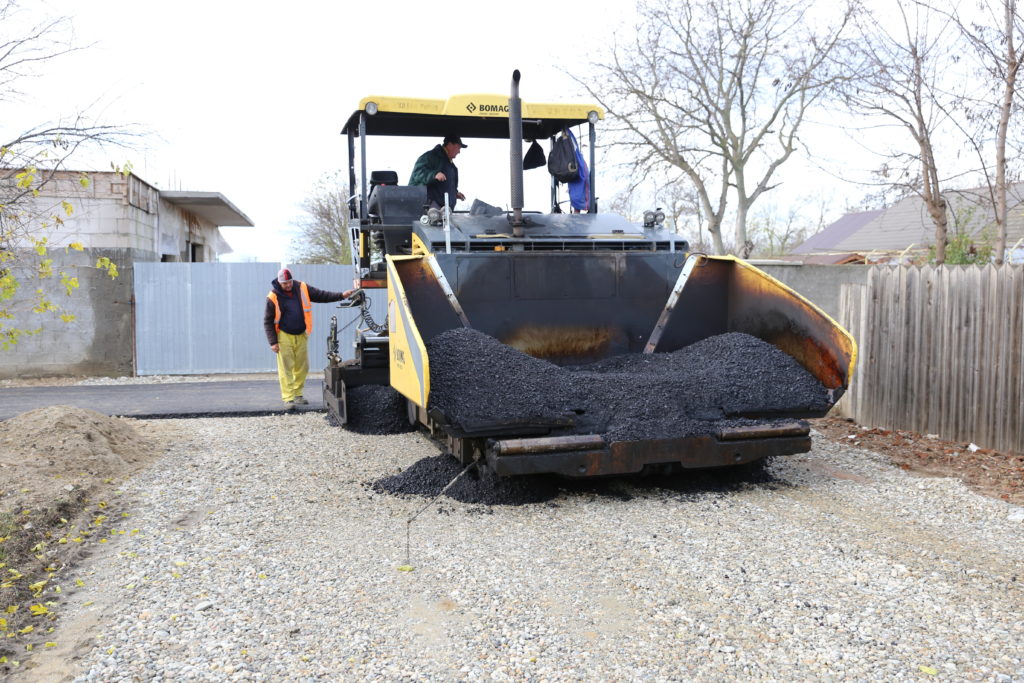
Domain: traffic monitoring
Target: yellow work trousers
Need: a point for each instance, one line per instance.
(292, 364)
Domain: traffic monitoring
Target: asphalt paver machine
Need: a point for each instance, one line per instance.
(564, 285)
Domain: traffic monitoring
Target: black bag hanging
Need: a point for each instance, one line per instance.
(534, 157)
(562, 161)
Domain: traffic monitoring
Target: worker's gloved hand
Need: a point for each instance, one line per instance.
(352, 298)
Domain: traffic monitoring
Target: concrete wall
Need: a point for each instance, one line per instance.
(98, 342)
(820, 284)
(102, 216)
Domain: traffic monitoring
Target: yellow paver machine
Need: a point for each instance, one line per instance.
(568, 289)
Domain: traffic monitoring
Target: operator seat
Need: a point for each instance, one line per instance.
(394, 208)
(393, 203)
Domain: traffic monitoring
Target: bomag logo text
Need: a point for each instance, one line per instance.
(488, 108)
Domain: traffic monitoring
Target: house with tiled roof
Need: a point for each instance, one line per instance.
(821, 248)
(905, 231)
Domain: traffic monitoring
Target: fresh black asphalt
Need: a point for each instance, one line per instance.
(178, 399)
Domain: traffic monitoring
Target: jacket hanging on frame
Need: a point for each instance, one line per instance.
(579, 189)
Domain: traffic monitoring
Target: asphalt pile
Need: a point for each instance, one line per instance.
(428, 477)
(476, 380)
(375, 409)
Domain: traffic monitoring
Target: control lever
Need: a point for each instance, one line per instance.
(332, 341)
(355, 301)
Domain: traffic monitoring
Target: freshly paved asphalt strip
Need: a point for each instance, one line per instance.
(179, 399)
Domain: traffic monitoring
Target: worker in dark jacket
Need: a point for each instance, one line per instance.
(436, 169)
(288, 320)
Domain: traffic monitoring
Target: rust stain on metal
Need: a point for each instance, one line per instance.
(813, 356)
(561, 342)
(549, 444)
(794, 326)
(764, 431)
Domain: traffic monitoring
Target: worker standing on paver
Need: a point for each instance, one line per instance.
(436, 169)
(288, 320)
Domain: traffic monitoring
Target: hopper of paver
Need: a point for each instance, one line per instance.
(576, 308)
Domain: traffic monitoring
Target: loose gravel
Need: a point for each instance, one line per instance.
(264, 553)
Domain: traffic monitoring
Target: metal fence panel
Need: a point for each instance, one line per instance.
(200, 318)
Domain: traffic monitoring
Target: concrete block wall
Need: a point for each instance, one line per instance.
(99, 342)
(106, 224)
(104, 217)
(101, 216)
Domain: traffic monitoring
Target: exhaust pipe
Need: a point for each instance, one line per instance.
(515, 134)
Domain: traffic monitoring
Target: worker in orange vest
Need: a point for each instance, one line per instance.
(288, 320)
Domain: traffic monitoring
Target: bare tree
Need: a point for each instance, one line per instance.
(776, 231)
(682, 206)
(995, 36)
(675, 196)
(717, 91)
(30, 160)
(624, 204)
(323, 230)
(903, 81)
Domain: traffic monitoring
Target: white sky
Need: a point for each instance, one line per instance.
(248, 98)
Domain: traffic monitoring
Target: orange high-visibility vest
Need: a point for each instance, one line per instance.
(307, 308)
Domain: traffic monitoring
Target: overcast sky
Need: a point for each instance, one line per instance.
(248, 99)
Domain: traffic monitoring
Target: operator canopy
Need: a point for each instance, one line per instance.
(471, 116)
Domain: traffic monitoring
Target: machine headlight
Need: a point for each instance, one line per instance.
(659, 217)
(648, 219)
(371, 108)
(592, 116)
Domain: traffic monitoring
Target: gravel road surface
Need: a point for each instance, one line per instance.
(264, 553)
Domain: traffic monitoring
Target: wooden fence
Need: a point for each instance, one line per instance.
(941, 351)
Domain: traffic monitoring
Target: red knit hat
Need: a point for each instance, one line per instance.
(284, 275)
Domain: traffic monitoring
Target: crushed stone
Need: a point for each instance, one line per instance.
(251, 565)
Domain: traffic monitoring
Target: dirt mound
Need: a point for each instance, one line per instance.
(52, 451)
(58, 466)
